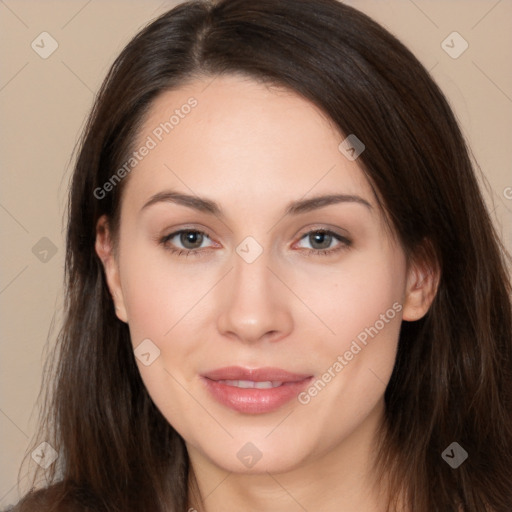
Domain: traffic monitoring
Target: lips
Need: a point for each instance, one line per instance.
(255, 375)
(254, 391)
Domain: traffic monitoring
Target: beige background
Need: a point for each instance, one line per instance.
(43, 103)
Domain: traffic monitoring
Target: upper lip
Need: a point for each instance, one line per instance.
(254, 374)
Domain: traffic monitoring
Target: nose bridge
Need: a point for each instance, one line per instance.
(255, 306)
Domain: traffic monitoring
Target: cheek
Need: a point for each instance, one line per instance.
(158, 293)
(360, 307)
(161, 302)
(360, 299)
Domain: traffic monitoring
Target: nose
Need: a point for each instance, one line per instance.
(254, 304)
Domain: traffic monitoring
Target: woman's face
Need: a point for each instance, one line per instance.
(244, 266)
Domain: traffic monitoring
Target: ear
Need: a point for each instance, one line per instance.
(422, 283)
(105, 249)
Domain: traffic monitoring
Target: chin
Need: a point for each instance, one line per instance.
(256, 457)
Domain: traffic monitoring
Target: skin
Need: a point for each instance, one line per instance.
(253, 149)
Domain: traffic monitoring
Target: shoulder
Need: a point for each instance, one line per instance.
(50, 498)
(59, 497)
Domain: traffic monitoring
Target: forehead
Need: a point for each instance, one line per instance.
(239, 140)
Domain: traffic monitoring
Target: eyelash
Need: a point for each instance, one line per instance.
(345, 243)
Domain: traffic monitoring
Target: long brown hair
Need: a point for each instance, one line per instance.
(452, 381)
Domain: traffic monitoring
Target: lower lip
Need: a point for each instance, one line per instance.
(252, 400)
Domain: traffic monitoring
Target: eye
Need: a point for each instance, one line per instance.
(190, 239)
(322, 240)
(187, 242)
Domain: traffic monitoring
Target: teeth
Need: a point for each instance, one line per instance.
(249, 384)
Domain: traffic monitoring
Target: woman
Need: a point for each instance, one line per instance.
(283, 288)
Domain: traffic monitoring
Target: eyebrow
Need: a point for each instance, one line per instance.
(211, 207)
